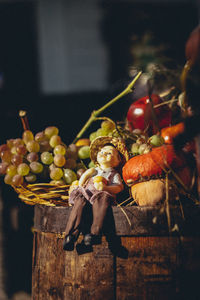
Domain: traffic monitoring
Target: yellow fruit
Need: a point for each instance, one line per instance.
(83, 142)
(100, 179)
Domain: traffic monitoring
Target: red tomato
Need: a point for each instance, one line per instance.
(140, 115)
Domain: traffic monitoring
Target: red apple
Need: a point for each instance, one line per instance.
(140, 114)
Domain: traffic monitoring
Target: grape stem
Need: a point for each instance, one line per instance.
(95, 113)
(24, 119)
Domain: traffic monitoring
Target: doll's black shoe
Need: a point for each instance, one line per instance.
(81, 248)
(88, 239)
(70, 239)
(92, 239)
(68, 244)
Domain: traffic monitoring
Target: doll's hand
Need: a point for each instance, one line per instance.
(100, 186)
(86, 175)
(73, 186)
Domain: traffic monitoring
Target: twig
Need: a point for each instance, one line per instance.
(178, 179)
(95, 113)
(166, 102)
(131, 203)
(181, 209)
(167, 202)
(167, 92)
(129, 222)
(153, 113)
(129, 198)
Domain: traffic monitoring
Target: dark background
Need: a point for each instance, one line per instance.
(122, 27)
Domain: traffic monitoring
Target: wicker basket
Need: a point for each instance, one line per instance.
(43, 193)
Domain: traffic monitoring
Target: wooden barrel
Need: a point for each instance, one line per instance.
(137, 258)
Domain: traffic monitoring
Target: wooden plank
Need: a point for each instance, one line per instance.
(149, 270)
(159, 268)
(48, 267)
(92, 274)
(59, 274)
(166, 267)
(145, 221)
(123, 266)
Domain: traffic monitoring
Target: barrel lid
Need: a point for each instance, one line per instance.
(127, 221)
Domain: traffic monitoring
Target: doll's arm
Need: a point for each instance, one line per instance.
(112, 189)
(86, 175)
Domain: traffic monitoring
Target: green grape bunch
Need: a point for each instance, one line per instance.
(42, 157)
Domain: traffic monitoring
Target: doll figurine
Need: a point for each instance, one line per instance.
(99, 186)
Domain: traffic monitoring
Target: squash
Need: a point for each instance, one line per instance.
(169, 133)
(142, 167)
(145, 174)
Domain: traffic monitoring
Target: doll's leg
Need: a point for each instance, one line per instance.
(72, 228)
(100, 205)
(74, 220)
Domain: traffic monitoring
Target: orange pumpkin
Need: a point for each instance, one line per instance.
(145, 174)
(142, 167)
(169, 133)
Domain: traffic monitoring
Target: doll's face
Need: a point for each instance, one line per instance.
(108, 156)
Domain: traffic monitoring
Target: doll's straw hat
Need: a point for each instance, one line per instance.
(102, 141)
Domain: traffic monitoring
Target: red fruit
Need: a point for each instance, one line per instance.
(140, 115)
